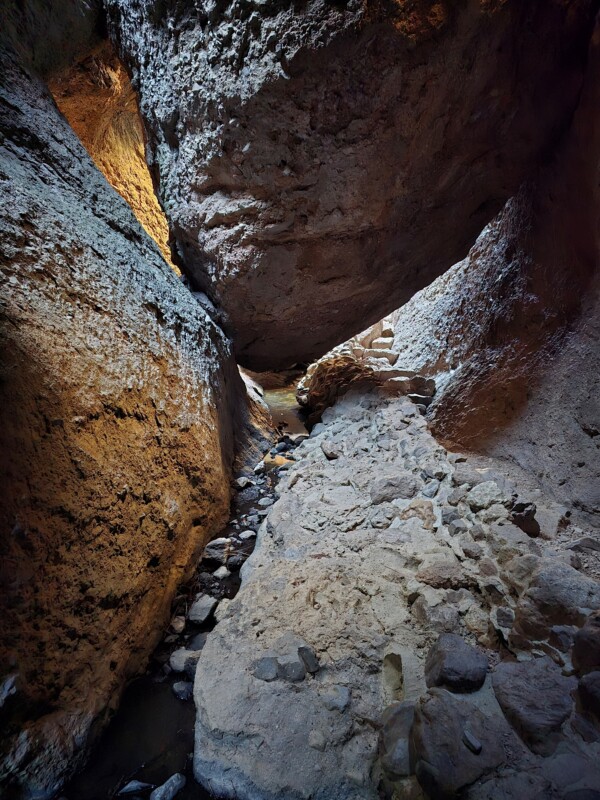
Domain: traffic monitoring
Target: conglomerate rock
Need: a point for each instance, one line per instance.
(319, 162)
(119, 400)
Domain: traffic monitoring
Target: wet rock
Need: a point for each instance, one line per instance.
(170, 788)
(392, 488)
(589, 692)
(394, 750)
(536, 699)
(183, 690)
(201, 609)
(453, 744)
(454, 664)
(586, 646)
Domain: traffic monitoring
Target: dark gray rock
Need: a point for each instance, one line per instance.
(444, 762)
(201, 609)
(589, 692)
(217, 550)
(536, 699)
(453, 663)
(291, 668)
(586, 646)
(394, 749)
(523, 516)
(183, 690)
(309, 659)
(457, 526)
(266, 669)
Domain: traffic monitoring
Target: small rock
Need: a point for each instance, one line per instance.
(183, 690)
(180, 658)
(456, 495)
(457, 526)
(170, 788)
(243, 482)
(135, 786)
(331, 450)
(484, 495)
(309, 658)
(536, 700)
(393, 488)
(248, 534)
(453, 663)
(449, 515)
(222, 573)
(265, 501)
(265, 669)
(291, 668)
(472, 550)
(336, 698)
(431, 489)
(235, 562)
(217, 550)
(472, 742)
(589, 691)
(444, 575)
(178, 624)
(394, 750)
(197, 642)
(317, 740)
(586, 543)
(201, 609)
(523, 516)
(586, 646)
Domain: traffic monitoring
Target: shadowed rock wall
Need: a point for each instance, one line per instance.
(119, 400)
(320, 162)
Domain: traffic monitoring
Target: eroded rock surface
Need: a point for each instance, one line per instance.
(119, 398)
(319, 163)
(368, 584)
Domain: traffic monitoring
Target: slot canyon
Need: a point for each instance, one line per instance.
(300, 399)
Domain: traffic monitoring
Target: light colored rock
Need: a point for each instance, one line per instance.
(170, 788)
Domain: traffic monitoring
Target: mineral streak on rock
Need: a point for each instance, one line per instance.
(320, 162)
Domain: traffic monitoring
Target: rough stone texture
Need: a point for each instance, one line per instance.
(305, 203)
(367, 586)
(512, 333)
(536, 700)
(118, 399)
(454, 664)
(97, 98)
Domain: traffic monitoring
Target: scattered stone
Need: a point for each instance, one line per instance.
(431, 489)
(449, 515)
(484, 495)
(471, 549)
(291, 668)
(248, 534)
(183, 690)
(317, 740)
(197, 642)
(457, 526)
(178, 624)
(201, 609)
(585, 544)
(309, 659)
(456, 495)
(586, 646)
(394, 750)
(536, 700)
(523, 516)
(243, 482)
(217, 550)
(264, 502)
(393, 488)
(222, 572)
(170, 788)
(589, 691)
(336, 698)
(331, 450)
(453, 663)
(444, 762)
(266, 669)
(181, 657)
(444, 575)
(235, 562)
(135, 786)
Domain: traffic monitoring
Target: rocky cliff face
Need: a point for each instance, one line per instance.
(119, 399)
(511, 333)
(320, 162)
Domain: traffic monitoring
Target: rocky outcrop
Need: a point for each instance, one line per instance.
(119, 400)
(320, 162)
(96, 97)
(512, 334)
(381, 541)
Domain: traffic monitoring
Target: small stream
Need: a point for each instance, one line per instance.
(151, 736)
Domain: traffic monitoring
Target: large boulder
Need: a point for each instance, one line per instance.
(320, 162)
(118, 402)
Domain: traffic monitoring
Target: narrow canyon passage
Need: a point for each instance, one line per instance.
(299, 396)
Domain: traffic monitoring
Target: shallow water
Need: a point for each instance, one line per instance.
(152, 734)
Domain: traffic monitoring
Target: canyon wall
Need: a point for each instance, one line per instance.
(119, 403)
(320, 162)
(512, 333)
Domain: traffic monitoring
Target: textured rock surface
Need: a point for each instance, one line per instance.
(368, 586)
(97, 98)
(117, 399)
(512, 333)
(303, 201)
